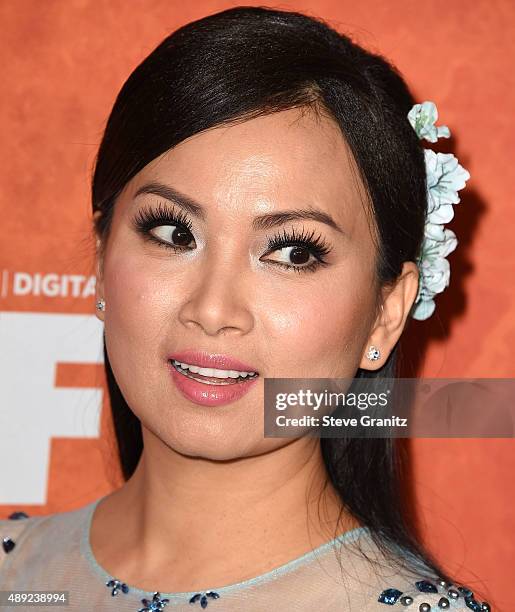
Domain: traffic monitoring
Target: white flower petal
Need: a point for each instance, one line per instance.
(435, 274)
(440, 248)
(423, 117)
(443, 132)
(436, 232)
(449, 244)
(423, 309)
(441, 214)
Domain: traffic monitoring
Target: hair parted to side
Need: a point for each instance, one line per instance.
(245, 62)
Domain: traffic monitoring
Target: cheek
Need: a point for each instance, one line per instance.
(137, 302)
(136, 318)
(320, 333)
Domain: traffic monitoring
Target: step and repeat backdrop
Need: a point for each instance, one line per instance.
(63, 64)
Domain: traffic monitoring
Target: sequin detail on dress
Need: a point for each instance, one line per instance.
(8, 543)
(392, 596)
(117, 586)
(202, 597)
(157, 603)
(14, 516)
(424, 586)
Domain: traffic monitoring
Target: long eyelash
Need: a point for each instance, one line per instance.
(317, 246)
(162, 215)
(149, 217)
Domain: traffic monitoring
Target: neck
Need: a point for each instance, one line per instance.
(219, 521)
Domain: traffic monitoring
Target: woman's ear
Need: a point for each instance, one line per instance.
(396, 304)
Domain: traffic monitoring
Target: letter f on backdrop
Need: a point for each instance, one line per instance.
(32, 409)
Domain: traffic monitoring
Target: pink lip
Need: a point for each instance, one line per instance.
(211, 360)
(205, 394)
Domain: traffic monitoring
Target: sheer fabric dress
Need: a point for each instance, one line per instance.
(347, 574)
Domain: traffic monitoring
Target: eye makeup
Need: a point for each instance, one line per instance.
(150, 217)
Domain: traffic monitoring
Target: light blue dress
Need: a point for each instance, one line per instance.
(347, 574)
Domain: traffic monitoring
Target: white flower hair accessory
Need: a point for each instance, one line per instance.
(445, 177)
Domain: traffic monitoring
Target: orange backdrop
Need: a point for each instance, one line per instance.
(63, 64)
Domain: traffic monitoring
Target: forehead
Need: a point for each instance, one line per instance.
(293, 156)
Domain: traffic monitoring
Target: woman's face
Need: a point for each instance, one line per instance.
(223, 289)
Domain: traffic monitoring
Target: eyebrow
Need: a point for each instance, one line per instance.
(261, 222)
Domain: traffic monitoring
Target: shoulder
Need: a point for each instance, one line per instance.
(32, 540)
(417, 587)
(400, 581)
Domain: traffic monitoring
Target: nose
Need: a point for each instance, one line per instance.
(218, 301)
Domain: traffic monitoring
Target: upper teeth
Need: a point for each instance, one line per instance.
(212, 371)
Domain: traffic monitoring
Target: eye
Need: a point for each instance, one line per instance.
(301, 253)
(296, 255)
(175, 235)
(165, 227)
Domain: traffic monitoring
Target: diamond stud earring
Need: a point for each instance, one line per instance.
(373, 353)
(101, 305)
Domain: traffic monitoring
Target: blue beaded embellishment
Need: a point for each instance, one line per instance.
(202, 597)
(424, 586)
(473, 604)
(17, 515)
(8, 544)
(465, 591)
(117, 586)
(157, 603)
(391, 596)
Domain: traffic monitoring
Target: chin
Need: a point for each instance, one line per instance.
(219, 444)
(225, 449)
